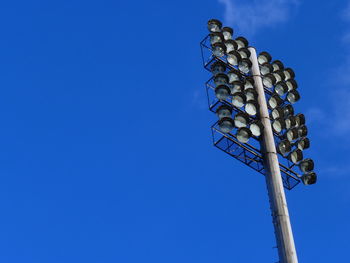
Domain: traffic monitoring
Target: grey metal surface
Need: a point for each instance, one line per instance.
(278, 203)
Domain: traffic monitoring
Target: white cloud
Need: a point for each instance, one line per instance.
(253, 15)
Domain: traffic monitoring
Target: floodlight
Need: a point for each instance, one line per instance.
(288, 110)
(243, 134)
(222, 92)
(277, 113)
(278, 125)
(244, 52)
(290, 122)
(241, 119)
(306, 165)
(249, 83)
(309, 178)
(279, 76)
(256, 127)
(288, 74)
(216, 37)
(302, 131)
(218, 67)
(292, 134)
(238, 99)
(264, 57)
(220, 79)
(291, 84)
(223, 111)
(226, 124)
(303, 143)
(300, 119)
(251, 107)
(244, 65)
(296, 156)
(281, 88)
(274, 101)
(219, 49)
(284, 147)
(231, 45)
(233, 57)
(293, 96)
(214, 25)
(266, 68)
(227, 32)
(236, 86)
(251, 94)
(233, 75)
(241, 42)
(269, 80)
(277, 65)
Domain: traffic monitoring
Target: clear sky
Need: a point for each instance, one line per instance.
(106, 152)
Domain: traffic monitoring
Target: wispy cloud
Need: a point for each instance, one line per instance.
(249, 16)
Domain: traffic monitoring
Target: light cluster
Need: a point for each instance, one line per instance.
(233, 86)
(238, 110)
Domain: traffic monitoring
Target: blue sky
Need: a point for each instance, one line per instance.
(106, 152)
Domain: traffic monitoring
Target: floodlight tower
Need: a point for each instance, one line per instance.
(252, 97)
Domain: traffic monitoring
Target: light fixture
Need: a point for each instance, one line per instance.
(264, 57)
(279, 76)
(309, 178)
(236, 86)
(277, 65)
(302, 131)
(251, 107)
(293, 96)
(300, 119)
(243, 134)
(249, 83)
(256, 127)
(231, 45)
(281, 88)
(214, 25)
(278, 125)
(218, 67)
(277, 113)
(290, 122)
(303, 143)
(233, 75)
(226, 124)
(306, 165)
(292, 134)
(291, 84)
(219, 49)
(220, 79)
(275, 101)
(241, 42)
(266, 68)
(216, 37)
(241, 119)
(238, 99)
(269, 80)
(288, 110)
(227, 32)
(233, 57)
(244, 52)
(224, 111)
(244, 65)
(251, 94)
(288, 74)
(296, 156)
(284, 147)
(222, 92)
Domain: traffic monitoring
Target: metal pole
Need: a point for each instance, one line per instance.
(278, 203)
